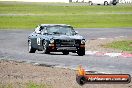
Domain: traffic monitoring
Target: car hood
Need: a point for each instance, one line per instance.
(65, 37)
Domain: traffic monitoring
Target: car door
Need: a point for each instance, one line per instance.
(35, 37)
(39, 38)
(39, 41)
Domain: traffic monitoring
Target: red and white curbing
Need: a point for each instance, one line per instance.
(97, 53)
(126, 55)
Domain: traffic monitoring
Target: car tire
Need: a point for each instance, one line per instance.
(90, 3)
(81, 80)
(30, 48)
(65, 52)
(81, 52)
(45, 48)
(105, 3)
(114, 3)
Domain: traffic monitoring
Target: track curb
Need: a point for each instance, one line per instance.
(110, 54)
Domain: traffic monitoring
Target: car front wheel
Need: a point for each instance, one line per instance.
(30, 48)
(45, 48)
(81, 52)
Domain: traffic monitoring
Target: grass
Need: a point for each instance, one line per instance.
(34, 85)
(79, 21)
(27, 85)
(16, 15)
(125, 45)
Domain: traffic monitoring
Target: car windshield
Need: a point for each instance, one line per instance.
(66, 30)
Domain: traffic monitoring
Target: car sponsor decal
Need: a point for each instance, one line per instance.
(38, 41)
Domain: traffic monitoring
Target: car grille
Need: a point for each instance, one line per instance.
(67, 42)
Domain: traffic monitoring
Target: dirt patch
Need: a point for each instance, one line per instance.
(130, 44)
(18, 74)
(98, 44)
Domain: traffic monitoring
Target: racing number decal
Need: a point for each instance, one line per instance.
(38, 41)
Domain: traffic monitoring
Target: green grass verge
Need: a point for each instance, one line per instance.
(27, 85)
(125, 45)
(28, 15)
(34, 85)
(79, 21)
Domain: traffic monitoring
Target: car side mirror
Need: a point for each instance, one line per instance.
(76, 32)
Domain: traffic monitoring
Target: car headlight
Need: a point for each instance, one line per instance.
(52, 41)
(82, 41)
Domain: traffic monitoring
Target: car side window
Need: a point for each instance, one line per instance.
(43, 30)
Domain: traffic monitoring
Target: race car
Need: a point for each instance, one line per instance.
(56, 38)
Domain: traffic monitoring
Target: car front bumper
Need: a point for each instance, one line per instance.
(66, 48)
(54, 48)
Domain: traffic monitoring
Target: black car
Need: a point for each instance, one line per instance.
(56, 38)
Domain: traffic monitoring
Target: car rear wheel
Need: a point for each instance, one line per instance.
(65, 52)
(81, 52)
(30, 48)
(45, 48)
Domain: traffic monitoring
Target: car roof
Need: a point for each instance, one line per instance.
(54, 25)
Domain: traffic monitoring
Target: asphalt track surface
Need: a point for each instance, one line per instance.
(13, 46)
